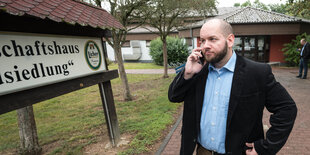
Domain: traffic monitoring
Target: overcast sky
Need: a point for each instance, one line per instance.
(230, 3)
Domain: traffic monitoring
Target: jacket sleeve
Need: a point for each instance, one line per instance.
(284, 112)
(307, 51)
(179, 87)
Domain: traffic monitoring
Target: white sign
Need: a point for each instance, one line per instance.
(33, 60)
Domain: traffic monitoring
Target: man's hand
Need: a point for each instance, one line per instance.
(250, 151)
(192, 65)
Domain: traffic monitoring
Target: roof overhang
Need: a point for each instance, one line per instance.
(279, 28)
(66, 17)
(31, 24)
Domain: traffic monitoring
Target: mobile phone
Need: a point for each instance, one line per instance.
(201, 59)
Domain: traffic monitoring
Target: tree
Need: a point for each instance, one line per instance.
(28, 131)
(237, 5)
(166, 16)
(279, 8)
(260, 5)
(246, 4)
(123, 11)
(256, 4)
(299, 8)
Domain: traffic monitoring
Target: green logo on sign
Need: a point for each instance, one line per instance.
(92, 55)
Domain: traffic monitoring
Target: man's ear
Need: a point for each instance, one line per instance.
(230, 40)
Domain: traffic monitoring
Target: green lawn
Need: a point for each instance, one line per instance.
(68, 123)
(136, 66)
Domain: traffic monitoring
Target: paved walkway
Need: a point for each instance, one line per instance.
(299, 140)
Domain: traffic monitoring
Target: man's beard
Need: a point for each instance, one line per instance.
(219, 56)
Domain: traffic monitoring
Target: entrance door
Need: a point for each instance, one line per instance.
(262, 47)
(249, 48)
(252, 47)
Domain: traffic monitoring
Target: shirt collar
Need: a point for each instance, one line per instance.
(230, 65)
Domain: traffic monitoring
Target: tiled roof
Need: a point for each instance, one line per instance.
(68, 11)
(146, 29)
(149, 29)
(220, 11)
(225, 10)
(254, 15)
(249, 15)
(143, 29)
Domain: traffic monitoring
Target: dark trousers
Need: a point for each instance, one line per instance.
(303, 65)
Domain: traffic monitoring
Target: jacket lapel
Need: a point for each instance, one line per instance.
(236, 88)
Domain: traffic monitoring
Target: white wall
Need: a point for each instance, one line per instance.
(110, 52)
(128, 50)
(195, 42)
(145, 50)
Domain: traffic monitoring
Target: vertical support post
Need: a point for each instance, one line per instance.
(105, 53)
(192, 37)
(242, 45)
(256, 48)
(28, 132)
(109, 111)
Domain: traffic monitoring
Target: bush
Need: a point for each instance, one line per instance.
(176, 48)
(292, 55)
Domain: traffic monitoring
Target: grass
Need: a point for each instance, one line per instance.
(68, 123)
(136, 66)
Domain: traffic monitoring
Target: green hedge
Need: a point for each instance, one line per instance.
(177, 51)
(292, 55)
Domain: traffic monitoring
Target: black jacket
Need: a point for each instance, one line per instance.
(253, 88)
(306, 52)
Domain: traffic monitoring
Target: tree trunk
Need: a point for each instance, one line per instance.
(28, 132)
(165, 56)
(121, 69)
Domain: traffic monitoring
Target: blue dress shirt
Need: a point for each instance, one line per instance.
(302, 49)
(215, 106)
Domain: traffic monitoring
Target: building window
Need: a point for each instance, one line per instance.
(261, 47)
(249, 47)
(148, 43)
(189, 41)
(238, 45)
(198, 42)
(252, 47)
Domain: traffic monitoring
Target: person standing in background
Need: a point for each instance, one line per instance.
(304, 58)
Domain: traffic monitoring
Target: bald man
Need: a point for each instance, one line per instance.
(224, 97)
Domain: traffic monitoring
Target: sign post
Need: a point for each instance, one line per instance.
(109, 111)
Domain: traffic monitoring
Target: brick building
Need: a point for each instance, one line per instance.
(260, 34)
